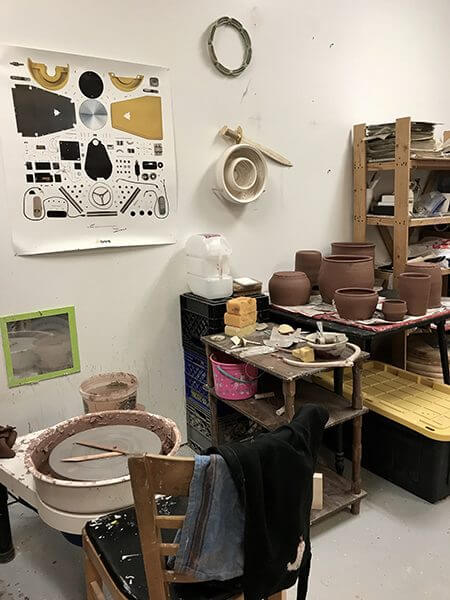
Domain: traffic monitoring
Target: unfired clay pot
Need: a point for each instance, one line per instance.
(354, 248)
(289, 288)
(340, 270)
(415, 288)
(436, 280)
(394, 310)
(309, 261)
(356, 304)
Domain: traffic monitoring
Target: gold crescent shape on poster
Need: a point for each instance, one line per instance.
(126, 84)
(39, 71)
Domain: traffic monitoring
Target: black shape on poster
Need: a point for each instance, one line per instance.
(91, 84)
(40, 112)
(69, 150)
(98, 164)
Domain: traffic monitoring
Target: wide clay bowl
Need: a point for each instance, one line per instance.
(415, 288)
(394, 310)
(355, 304)
(289, 288)
(435, 273)
(354, 248)
(334, 343)
(344, 271)
(309, 261)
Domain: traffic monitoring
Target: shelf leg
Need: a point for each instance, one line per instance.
(289, 399)
(357, 400)
(442, 339)
(339, 456)
(401, 192)
(7, 552)
(359, 183)
(215, 433)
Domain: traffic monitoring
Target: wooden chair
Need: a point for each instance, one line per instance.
(150, 475)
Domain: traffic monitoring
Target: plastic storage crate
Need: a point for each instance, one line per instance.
(232, 425)
(200, 316)
(406, 436)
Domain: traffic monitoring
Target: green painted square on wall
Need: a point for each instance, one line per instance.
(40, 345)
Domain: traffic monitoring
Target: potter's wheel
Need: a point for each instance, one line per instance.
(135, 440)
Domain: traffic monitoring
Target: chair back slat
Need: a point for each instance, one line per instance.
(151, 475)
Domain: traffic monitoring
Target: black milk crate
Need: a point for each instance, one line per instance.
(200, 316)
(197, 441)
(195, 364)
(232, 426)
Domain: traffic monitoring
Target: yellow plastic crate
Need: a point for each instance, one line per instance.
(414, 401)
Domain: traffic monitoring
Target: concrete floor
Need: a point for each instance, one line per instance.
(399, 547)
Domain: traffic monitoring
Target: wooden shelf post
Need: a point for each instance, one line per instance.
(401, 193)
(359, 183)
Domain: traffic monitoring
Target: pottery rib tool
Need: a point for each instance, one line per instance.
(100, 447)
(237, 135)
(86, 457)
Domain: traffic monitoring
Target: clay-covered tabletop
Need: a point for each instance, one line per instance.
(273, 363)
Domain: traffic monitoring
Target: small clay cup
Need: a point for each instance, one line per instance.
(355, 304)
(354, 248)
(289, 288)
(435, 272)
(415, 288)
(309, 261)
(394, 310)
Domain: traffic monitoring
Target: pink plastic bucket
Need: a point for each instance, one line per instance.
(233, 379)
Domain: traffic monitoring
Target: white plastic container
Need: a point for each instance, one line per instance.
(208, 265)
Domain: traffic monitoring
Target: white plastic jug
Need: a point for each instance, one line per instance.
(208, 265)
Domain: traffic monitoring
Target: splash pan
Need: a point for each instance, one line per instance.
(112, 490)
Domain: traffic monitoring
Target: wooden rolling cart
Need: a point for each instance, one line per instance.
(401, 221)
(291, 388)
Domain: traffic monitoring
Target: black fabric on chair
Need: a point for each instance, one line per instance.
(116, 539)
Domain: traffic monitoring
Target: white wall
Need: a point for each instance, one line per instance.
(318, 68)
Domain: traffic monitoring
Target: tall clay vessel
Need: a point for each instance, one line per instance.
(435, 272)
(289, 288)
(415, 288)
(309, 261)
(344, 271)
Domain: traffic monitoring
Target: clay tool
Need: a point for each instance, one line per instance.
(91, 457)
(100, 447)
(238, 137)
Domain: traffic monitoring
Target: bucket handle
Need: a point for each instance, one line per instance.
(233, 378)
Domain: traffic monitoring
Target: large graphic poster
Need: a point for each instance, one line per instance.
(88, 151)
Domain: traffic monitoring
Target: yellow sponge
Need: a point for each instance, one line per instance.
(240, 331)
(240, 320)
(305, 354)
(241, 305)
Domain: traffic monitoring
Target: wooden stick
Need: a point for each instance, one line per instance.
(91, 457)
(99, 447)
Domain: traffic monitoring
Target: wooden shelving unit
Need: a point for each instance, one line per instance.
(292, 388)
(402, 221)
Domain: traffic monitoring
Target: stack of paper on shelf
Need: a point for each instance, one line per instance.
(381, 141)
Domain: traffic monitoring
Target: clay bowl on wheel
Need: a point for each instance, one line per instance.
(334, 344)
(356, 304)
(394, 310)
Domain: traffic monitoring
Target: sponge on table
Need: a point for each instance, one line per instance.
(240, 331)
(305, 354)
(241, 306)
(240, 320)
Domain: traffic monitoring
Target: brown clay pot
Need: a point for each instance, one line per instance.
(309, 261)
(355, 304)
(340, 270)
(354, 248)
(436, 280)
(289, 288)
(394, 310)
(415, 288)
